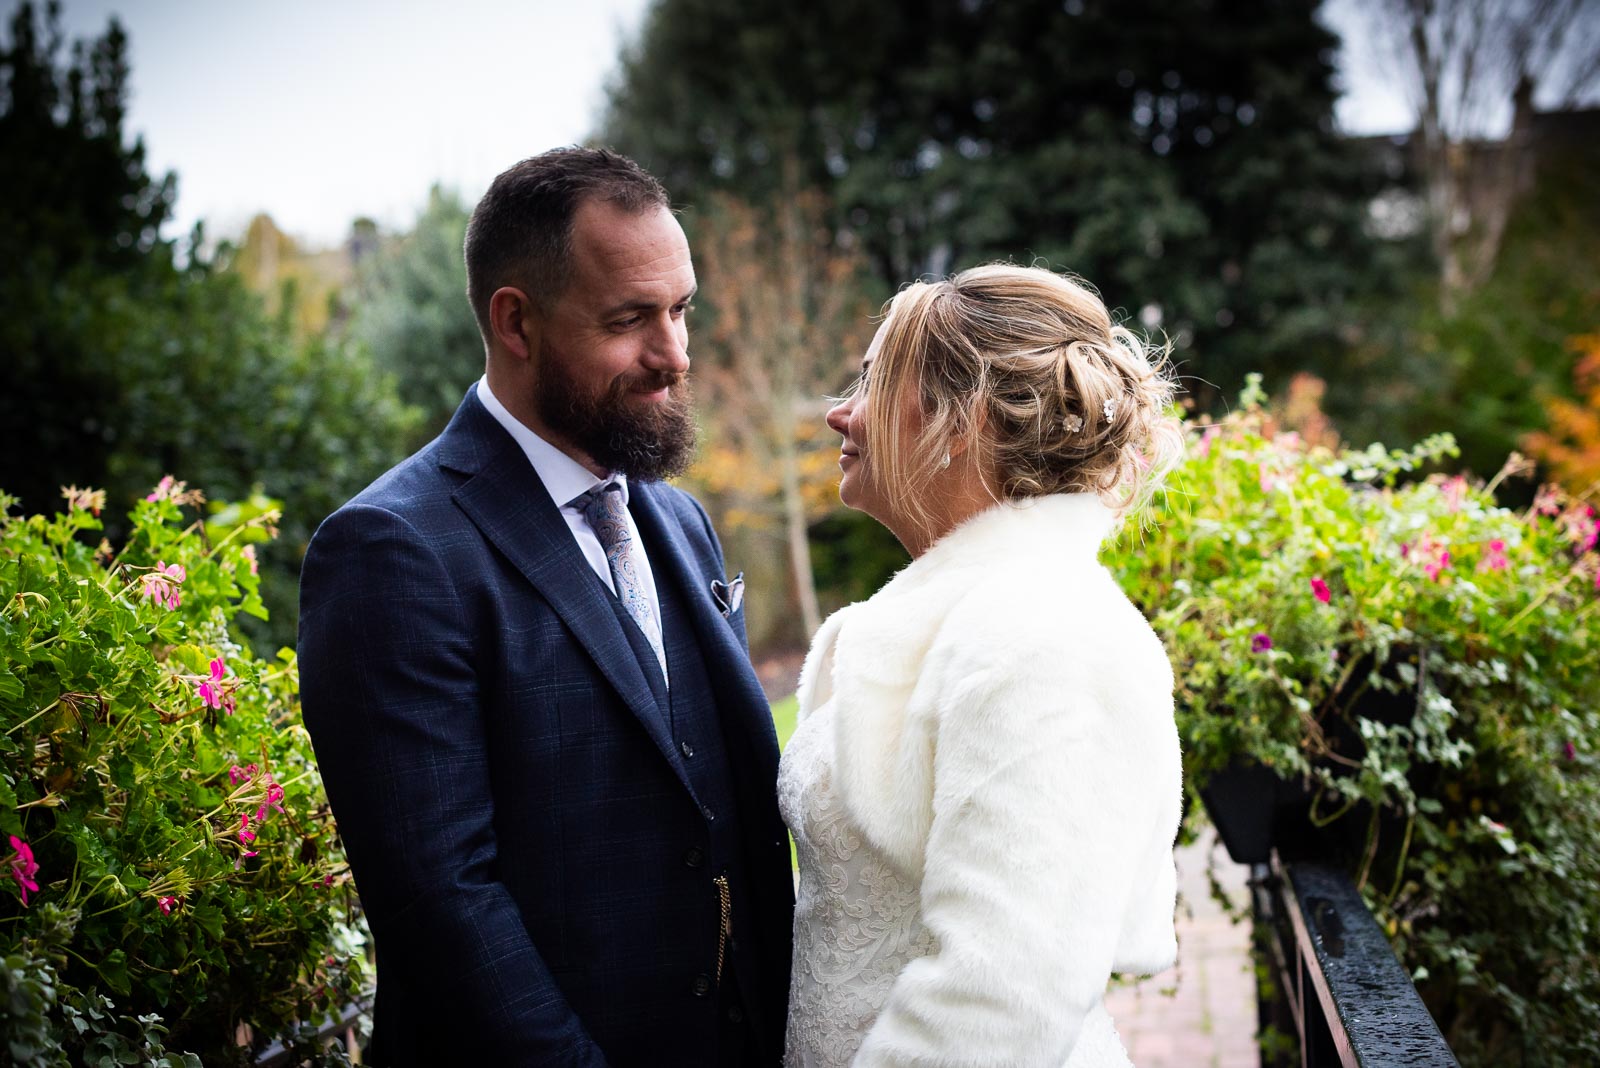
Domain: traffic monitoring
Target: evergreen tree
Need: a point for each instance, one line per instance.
(411, 311)
(119, 363)
(1180, 156)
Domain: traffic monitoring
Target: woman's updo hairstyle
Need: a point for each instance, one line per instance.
(1027, 367)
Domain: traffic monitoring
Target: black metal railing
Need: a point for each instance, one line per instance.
(1339, 987)
(340, 1028)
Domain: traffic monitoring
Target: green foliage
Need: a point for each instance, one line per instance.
(188, 870)
(1488, 368)
(117, 364)
(1181, 156)
(411, 311)
(1439, 703)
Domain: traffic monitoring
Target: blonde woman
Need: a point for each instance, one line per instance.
(984, 785)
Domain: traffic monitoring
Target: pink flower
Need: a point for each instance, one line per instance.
(1495, 559)
(1570, 750)
(211, 689)
(236, 775)
(327, 880)
(249, 553)
(163, 489)
(1320, 589)
(1433, 555)
(23, 867)
(1203, 448)
(1437, 564)
(161, 585)
(245, 833)
(167, 905)
(1260, 643)
(1270, 480)
(274, 800)
(1455, 490)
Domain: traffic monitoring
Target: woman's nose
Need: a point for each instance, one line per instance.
(838, 417)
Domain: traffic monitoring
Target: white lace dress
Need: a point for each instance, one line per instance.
(856, 920)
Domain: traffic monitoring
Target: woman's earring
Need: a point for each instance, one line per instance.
(946, 461)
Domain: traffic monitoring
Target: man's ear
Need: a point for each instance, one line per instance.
(515, 322)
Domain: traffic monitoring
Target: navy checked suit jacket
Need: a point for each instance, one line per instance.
(519, 821)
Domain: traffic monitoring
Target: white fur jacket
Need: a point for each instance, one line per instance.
(1005, 737)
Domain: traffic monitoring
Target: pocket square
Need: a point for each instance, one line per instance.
(728, 595)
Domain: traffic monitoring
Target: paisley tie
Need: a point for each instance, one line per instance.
(608, 517)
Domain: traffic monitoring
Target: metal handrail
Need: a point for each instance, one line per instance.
(1350, 999)
(335, 1028)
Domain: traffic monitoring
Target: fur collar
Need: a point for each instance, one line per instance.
(1007, 569)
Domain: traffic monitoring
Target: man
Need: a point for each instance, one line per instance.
(526, 677)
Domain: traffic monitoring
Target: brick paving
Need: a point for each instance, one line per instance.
(1201, 1013)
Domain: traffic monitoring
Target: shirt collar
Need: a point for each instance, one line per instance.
(564, 478)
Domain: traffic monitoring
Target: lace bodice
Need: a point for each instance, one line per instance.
(856, 919)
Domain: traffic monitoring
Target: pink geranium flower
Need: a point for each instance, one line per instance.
(211, 689)
(163, 489)
(1439, 563)
(167, 905)
(245, 833)
(1320, 590)
(274, 800)
(161, 585)
(1431, 555)
(23, 867)
(1260, 643)
(1569, 750)
(1495, 558)
(249, 553)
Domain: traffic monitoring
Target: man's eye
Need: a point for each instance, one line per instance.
(682, 309)
(630, 321)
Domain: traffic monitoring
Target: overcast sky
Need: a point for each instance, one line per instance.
(317, 111)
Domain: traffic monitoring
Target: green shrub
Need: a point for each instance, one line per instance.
(172, 872)
(1306, 595)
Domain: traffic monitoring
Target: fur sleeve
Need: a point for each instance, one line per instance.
(1040, 816)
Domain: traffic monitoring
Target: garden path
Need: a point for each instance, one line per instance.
(1202, 1013)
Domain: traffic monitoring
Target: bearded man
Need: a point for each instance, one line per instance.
(525, 673)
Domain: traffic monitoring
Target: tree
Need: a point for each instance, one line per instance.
(1571, 446)
(1466, 64)
(788, 328)
(118, 363)
(411, 311)
(1183, 158)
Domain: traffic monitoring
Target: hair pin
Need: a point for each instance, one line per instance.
(1110, 409)
(1073, 423)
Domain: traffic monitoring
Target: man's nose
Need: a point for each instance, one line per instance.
(669, 350)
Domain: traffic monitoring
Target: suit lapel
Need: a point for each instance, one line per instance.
(726, 661)
(506, 501)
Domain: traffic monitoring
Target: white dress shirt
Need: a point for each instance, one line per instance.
(565, 479)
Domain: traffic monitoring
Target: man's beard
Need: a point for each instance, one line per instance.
(642, 440)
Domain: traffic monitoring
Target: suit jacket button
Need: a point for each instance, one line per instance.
(702, 986)
(686, 749)
(709, 814)
(694, 857)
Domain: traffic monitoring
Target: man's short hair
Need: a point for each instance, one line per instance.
(520, 234)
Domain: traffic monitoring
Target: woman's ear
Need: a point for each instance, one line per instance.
(972, 423)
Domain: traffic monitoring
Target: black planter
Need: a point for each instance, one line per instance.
(1254, 810)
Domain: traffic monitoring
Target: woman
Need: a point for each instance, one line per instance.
(984, 786)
